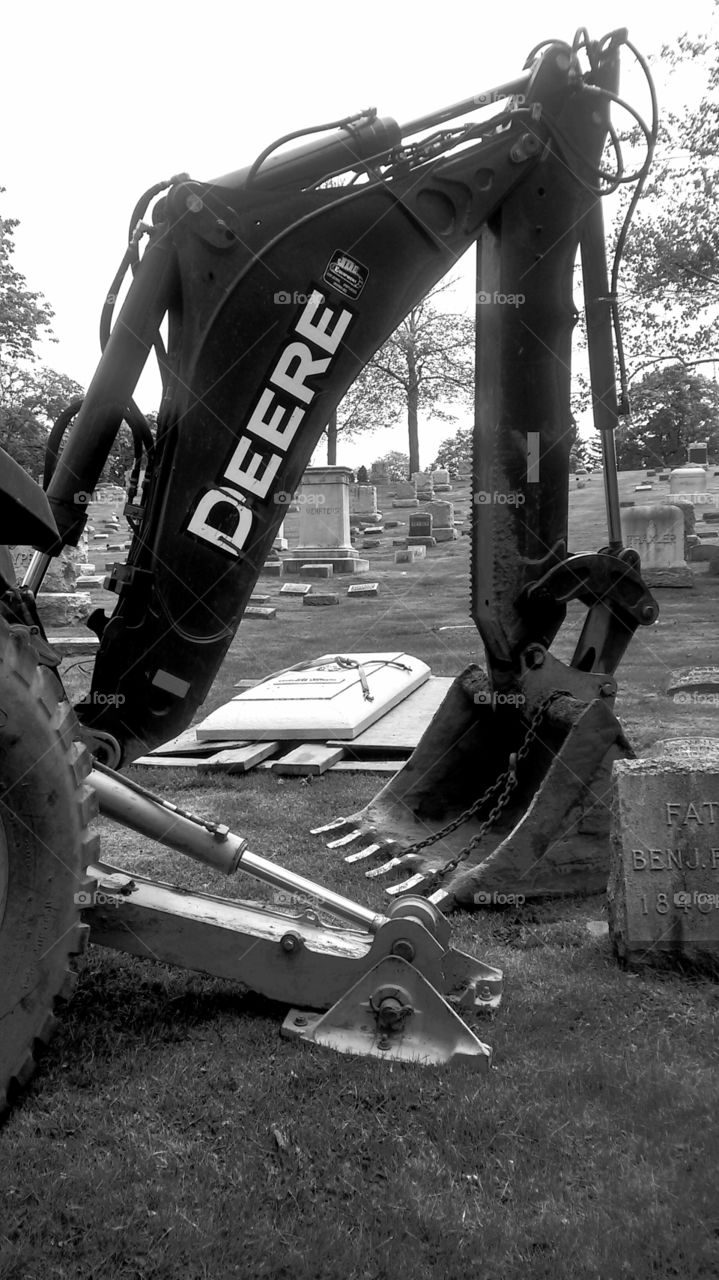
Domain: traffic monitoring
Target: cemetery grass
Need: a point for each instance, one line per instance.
(171, 1132)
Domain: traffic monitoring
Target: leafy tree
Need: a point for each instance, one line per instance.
(671, 407)
(427, 363)
(34, 398)
(31, 396)
(585, 453)
(455, 453)
(24, 315)
(670, 272)
(395, 464)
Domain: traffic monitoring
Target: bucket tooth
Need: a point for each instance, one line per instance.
(353, 835)
(407, 886)
(363, 853)
(330, 826)
(383, 869)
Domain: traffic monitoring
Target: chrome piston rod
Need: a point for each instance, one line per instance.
(132, 806)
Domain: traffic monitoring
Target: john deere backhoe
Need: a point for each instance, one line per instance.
(357, 223)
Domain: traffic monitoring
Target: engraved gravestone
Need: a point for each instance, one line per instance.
(324, 535)
(656, 531)
(663, 892)
(420, 525)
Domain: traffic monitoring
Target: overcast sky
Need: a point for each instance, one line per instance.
(100, 100)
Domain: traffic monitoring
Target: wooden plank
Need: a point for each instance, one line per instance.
(73, 646)
(240, 758)
(186, 744)
(311, 758)
(402, 727)
(168, 762)
(367, 766)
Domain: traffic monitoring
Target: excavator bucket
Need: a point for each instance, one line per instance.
(500, 801)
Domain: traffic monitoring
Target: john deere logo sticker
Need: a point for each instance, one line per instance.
(346, 274)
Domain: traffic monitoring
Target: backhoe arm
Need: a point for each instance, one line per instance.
(279, 286)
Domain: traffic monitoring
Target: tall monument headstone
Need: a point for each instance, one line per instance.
(324, 535)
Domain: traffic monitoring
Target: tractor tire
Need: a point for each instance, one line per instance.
(45, 845)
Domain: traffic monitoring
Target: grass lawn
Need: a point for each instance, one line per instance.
(171, 1133)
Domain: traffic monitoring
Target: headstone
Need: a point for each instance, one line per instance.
(703, 552)
(420, 525)
(296, 588)
(320, 598)
(409, 555)
(657, 533)
(317, 570)
(688, 480)
(425, 488)
(273, 569)
(363, 501)
(280, 543)
(440, 480)
(260, 611)
(63, 608)
(642, 488)
(442, 521)
(324, 523)
(371, 544)
(62, 571)
(698, 685)
(405, 489)
(650, 475)
(318, 700)
(405, 503)
(358, 589)
(698, 454)
(664, 476)
(663, 892)
(378, 475)
(442, 514)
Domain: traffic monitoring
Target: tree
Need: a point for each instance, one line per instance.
(35, 397)
(670, 271)
(395, 464)
(427, 363)
(31, 396)
(455, 453)
(671, 407)
(23, 314)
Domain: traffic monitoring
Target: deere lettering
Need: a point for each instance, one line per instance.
(309, 354)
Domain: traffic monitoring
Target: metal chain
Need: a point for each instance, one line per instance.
(505, 784)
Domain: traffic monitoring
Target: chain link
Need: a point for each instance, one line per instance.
(505, 785)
